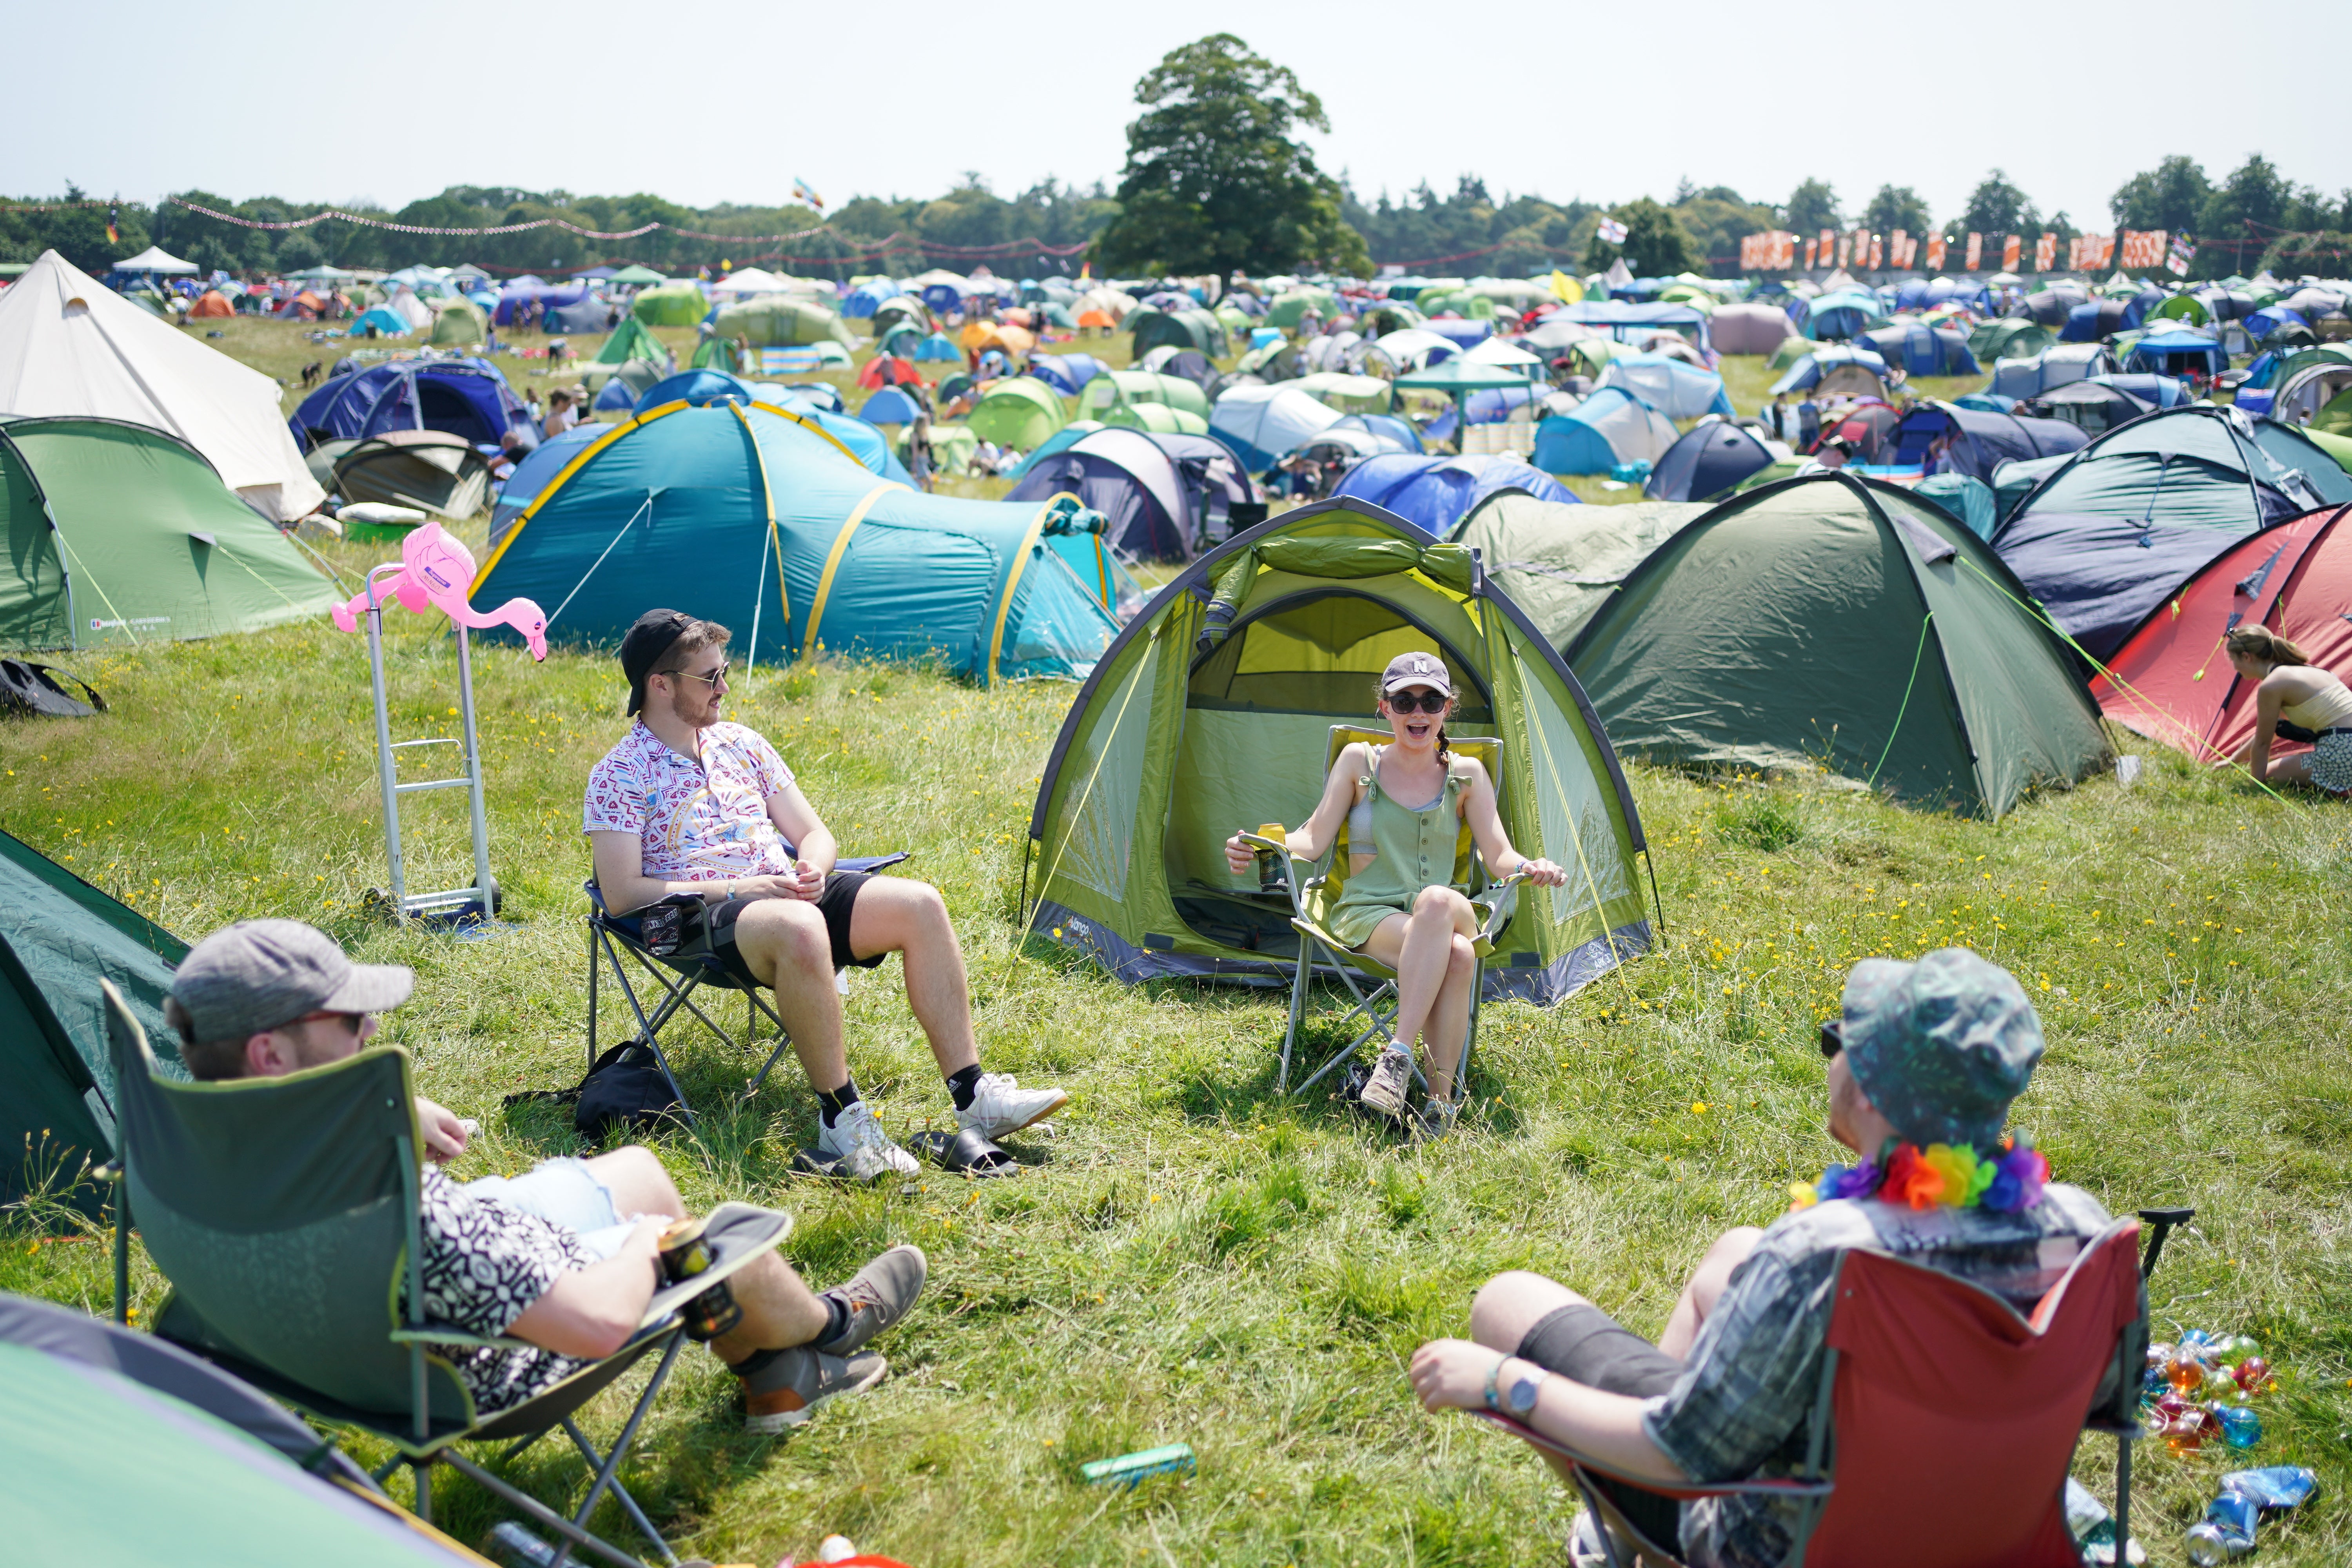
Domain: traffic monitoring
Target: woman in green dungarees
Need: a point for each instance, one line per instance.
(1405, 804)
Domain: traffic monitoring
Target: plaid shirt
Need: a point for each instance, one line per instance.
(1744, 1403)
(698, 822)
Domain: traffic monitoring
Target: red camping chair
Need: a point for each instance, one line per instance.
(1956, 1419)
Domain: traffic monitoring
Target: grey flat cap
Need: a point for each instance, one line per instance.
(260, 974)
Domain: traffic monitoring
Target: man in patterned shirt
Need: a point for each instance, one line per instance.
(1927, 1052)
(690, 803)
(564, 1257)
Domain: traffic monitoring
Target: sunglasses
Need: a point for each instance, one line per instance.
(1427, 703)
(351, 1022)
(1833, 1038)
(711, 680)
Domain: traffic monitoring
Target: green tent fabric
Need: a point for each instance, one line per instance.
(59, 937)
(1347, 393)
(1021, 411)
(1560, 561)
(2010, 337)
(719, 354)
(1839, 622)
(1198, 329)
(632, 339)
(459, 321)
(1464, 302)
(1790, 351)
(952, 446)
(120, 535)
(1290, 307)
(782, 321)
(2337, 446)
(123, 1452)
(1105, 392)
(1156, 417)
(670, 305)
(634, 277)
(1213, 710)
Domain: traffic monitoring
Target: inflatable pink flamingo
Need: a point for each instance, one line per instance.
(434, 572)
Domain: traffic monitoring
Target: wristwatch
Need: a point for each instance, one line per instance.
(1520, 1401)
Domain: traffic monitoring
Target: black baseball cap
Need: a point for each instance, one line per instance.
(642, 647)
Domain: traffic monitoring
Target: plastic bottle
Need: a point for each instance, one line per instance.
(520, 1545)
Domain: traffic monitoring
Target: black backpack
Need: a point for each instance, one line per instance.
(625, 1088)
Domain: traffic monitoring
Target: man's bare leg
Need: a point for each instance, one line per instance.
(895, 914)
(779, 1311)
(637, 1182)
(784, 945)
(1696, 1303)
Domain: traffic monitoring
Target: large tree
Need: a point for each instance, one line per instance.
(1216, 180)
(2171, 196)
(1997, 206)
(1813, 206)
(1893, 207)
(1655, 244)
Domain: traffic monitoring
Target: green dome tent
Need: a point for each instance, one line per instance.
(119, 533)
(1105, 392)
(678, 304)
(1841, 622)
(1156, 417)
(1291, 306)
(1020, 412)
(58, 938)
(1198, 329)
(2010, 337)
(1560, 562)
(1790, 351)
(458, 323)
(1213, 709)
(633, 340)
(781, 321)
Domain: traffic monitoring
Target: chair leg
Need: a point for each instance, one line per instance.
(595, 1461)
(2123, 1500)
(621, 1446)
(1298, 981)
(538, 1513)
(423, 1473)
(591, 996)
(1599, 1519)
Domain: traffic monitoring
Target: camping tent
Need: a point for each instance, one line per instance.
(458, 323)
(1610, 428)
(1018, 412)
(1837, 621)
(211, 305)
(1164, 496)
(2107, 538)
(379, 323)
(466, 398)
(890, 406)
(1067, 374)
(579, 308)
(1261, 423)
(58, 938)
(430, 470)
(1981, 440)
(1287, 309)
(1674, 389)
(1437, 492)
(1707, 463)
(1113, 388)
(2171, 682)
(1750, 329)
(1214, 707)
(679, 304)
(762, 518)
(1918, 349)
(632, 339)
(2181, 352)
(2095, 404)
(1837, 371)
(1197, 329)
(781, 321)
(1157, 417)
(1560, 562)
(69, 345)
(2008, 337)
(120, 535)
(1843, 313)
(2053, 367)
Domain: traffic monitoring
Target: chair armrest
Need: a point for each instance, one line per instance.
(1500, 900)
(1680, 1490)
(432, 1336)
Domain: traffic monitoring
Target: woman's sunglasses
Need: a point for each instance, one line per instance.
(1427, 703)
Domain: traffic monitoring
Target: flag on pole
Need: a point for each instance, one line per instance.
(1612, 231)
(1976, 253)
(2182, 254)
(1566, 290)
(1935, 253)
(805, 192)
(113, 235)
(2010, 245)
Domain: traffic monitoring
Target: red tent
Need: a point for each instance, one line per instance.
(2171, 682)
(889, 370)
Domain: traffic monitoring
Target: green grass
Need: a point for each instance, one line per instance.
(1193, 1258)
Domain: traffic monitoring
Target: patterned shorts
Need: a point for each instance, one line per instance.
(2331, 762)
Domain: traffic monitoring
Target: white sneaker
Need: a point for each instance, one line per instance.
(1391, 1079)
(865, 1151)
(1000, 1105)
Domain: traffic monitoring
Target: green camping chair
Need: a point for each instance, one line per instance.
(1315, 894)
(285, 1213)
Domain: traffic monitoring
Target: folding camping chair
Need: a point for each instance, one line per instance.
(610, 935)
(1921, 1363)
(1315, 896)
(286, 1214)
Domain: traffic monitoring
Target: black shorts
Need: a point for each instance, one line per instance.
(1586, 1345)
(834, 903)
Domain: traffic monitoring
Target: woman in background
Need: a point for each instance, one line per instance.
(2294, 699)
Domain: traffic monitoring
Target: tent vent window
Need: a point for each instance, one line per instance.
(1323, 654)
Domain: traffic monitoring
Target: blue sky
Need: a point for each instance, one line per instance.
(1563, 99)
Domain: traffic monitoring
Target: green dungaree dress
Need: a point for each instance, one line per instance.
(1411, 850)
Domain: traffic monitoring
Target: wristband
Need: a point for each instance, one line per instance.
(1492, 1374)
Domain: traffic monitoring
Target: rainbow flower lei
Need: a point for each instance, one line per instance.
(2008, 1181)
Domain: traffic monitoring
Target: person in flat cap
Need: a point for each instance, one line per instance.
(1405, 804)
(1925, 1060)
(688, 803)
(562, 1256)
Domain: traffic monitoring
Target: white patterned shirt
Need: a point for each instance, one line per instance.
(698, 821)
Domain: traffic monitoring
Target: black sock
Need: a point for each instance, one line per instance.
(839, 1101)
(836, 1319)
(963, 1084)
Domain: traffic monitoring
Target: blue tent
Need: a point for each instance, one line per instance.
(2053, 367)
(532, 475)
(1610, 428)
(1926, 293)
(943, 297)
(1467, 333)
(2178, 353)
(699, 387)
(1707, 463)
(1627, 322)
(615, 397)
(756, 517)
(861, 302)
(2128, 519)
(2163, 391)
(1395, 432)
(1438, 492)
(1843, 314)
(1922, 350)
(2270, 319)
(578, 310)
(801, 396)
(1811, 368)
(379, 322)
(1981, 439)
(1675, 387)
(891, 406)
(1065, 373)
(468, 397)
(938, 348)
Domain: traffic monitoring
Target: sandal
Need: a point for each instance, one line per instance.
(966, 1153)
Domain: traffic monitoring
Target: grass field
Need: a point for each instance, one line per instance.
(1193, 1258)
